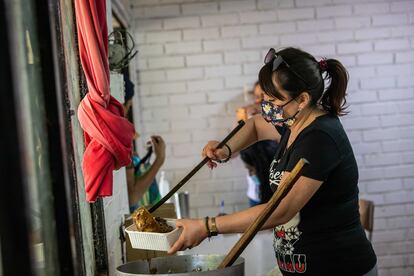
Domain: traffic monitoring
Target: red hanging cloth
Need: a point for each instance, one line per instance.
(108, 135)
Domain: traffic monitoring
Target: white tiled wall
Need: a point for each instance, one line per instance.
(196, 56)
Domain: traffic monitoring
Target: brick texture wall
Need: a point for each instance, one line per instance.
(197, 56)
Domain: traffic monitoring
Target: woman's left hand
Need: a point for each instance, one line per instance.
(194, 232)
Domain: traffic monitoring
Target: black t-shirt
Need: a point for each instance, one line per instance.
(326, 236)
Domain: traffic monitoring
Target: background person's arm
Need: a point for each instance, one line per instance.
(141, 183)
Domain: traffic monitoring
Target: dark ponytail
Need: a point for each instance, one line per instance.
(313, 75)
(333, 99)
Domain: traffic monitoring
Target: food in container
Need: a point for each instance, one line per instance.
(152, 233)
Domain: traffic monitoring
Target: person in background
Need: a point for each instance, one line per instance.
(247, 111)
(140, 174)
(258, 95)
(142, 186)
(129, 94)
(317, 228)
(257, 159)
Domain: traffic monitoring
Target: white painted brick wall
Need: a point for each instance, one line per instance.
(181, 23)
(219, 20)
(199, 8)
(196, 56)
(295, 14)
(352, 22)
(166, 62)
(198, 34)
(207, 59)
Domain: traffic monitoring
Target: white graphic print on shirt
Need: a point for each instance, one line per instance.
(286, 235)
(274, 176)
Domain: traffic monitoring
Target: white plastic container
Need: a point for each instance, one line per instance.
(153, 241)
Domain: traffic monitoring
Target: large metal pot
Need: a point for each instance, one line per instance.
(205, 265)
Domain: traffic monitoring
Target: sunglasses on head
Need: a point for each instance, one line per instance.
(277, 60)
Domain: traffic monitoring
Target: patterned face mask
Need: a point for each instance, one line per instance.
(274, 114)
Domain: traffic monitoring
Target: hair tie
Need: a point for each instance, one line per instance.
(323, 65)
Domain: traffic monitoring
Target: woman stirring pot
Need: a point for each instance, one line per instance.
(317, 229)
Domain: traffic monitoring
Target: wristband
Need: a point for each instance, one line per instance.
(207, 228)
(213, 231)
(228, 157)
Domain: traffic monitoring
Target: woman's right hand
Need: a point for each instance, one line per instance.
(210, 150)
(193, 233)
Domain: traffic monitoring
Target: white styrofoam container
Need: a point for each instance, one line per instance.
(153, 241)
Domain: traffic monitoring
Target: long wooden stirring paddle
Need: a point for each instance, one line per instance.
(274, 201)
(193, 171)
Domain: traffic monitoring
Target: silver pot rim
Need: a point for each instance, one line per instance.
(208, 264)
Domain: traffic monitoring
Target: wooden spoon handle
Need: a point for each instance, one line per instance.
(274, 201)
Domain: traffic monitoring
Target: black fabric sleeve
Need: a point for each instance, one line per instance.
(320, 150)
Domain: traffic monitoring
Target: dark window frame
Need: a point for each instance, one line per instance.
(14, 213)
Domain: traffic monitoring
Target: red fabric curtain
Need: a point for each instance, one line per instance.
(108, 135)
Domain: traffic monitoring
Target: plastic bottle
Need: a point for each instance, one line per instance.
(221, 213)
(164, 185)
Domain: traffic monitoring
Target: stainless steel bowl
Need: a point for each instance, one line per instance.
(182, 265)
